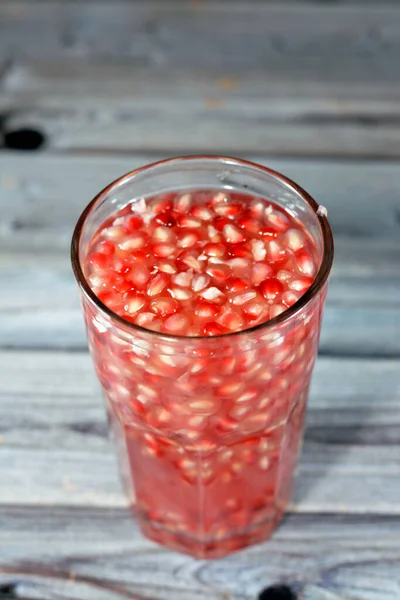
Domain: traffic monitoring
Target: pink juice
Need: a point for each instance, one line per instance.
(207, 421)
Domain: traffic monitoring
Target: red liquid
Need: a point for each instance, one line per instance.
(209, 434)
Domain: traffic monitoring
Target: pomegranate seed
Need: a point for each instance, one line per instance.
(134, 302)
(163, 234)
(232, 234)
(144, 319)
(200, 282)
(271, 287)
(114, 232)
(229, 389)
(284, 275)
(180, 293)
(220, 222)
(212, 329)
(235, 284)
(219, 198)
(188, 240)
(213, 293)
(161, 203)
(191, 261)
(240, 266)
(133, 242)
(107, 248)
(275, 310)
(305, 262)
(133, 224)
(240, 251)
(301, 284)
(157, 283)
(248, 223)
(217, 250)
(164, 306)
(230, 319)
(122, 266)
(243, 297)
(203, 406)
(289, 298)
(295, 239)
(167, 267)
(188, 222)
(176, 323)
(206, 309)
(139, 275)
(258, 250)
(254, 309)
(183, 279)
(183, 203)
(268, 232)
(99, 260)
(260, 272)
(219, 271)
(164, 218)
(202, 213)
(164, 250)
(277, 220)
(275, 252)
(228, 209)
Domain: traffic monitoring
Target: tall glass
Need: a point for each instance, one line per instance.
(208, 430)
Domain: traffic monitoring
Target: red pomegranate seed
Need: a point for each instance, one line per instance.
(219, 271)
(295, 239)
(164, 250)
(99, 260)
(216, 250)
(275, 252)
(219, 198)
(260, 272)
(220, 222)
(268, 232)
(164, 306)
(248, 223)
(165, 218)
(206, 309)
(212, 328)
(201, 212)
(242, 297)
(228, 209)
(188, 240)
(161, 203)
(190, 261)
(144, 319)
(271, 287)
(278, 220)
(182, 203)
(180, 293)
(258, 250)
(134, 302)
(200, 282)
(176, 323)
(188, 222)
(255, 308)
(133, 224)
(230, 319)
(232, 234)
(241, 250)
(163, 235)
(275, 310)
(240, 266)
(213, 293)
(305, 262)
(122, 265)
(235, 284)
(157, 283)
(167, 266)
(139, 275)
(133, 242)
(183, 279)
(115, 232)
(107, 247)
(301, 284)
(289, 298)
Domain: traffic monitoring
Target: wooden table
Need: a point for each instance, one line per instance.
(311, 89)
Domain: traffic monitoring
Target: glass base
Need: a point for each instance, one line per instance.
(211, 547)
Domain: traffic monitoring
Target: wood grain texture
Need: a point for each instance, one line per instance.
(99, 554)
(282, 110)
(44, 193)
(55, 449)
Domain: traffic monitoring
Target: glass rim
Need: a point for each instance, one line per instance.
(320, 278)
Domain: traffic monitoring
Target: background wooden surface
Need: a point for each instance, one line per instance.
(309, 88)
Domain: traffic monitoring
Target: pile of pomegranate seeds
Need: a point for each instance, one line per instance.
(202, 263)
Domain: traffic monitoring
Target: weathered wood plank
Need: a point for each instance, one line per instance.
(55, 449)
(94, 554)
(42, 195)
(276, 111)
